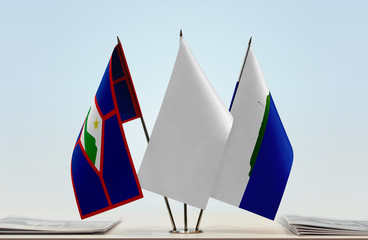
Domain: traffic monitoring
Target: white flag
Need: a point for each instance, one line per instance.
(189, 136)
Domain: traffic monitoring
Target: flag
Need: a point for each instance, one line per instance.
(188, 138)
(258, 155)
(102, 170)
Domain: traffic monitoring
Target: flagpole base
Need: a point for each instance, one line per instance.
(182, 231)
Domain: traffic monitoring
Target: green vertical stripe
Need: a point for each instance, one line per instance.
(90, 143)
(260, 135)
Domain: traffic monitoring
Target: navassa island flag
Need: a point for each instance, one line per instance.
(258, 155)
(102, 169)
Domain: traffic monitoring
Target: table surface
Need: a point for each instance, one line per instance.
(219, 226)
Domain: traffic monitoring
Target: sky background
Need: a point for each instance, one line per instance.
(313, 55)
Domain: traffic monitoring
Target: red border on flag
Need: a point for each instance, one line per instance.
(133, 95)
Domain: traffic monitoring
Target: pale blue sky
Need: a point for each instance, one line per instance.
(313, 55)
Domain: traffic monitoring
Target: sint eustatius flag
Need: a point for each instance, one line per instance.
(102, 170)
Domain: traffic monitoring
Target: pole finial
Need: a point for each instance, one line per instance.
(250, 41)
(181, 33)
(118, 39)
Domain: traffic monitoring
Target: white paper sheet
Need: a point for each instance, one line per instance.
(37, 226)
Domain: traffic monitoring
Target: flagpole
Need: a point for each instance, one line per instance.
(185, 205)
(147, 138)
(170, 213)
(241, 73)
(165, 198)
(185, 218)
(199, 220)
(245, 59)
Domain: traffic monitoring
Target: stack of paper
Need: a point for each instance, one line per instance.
(322, 226)
(43, 226)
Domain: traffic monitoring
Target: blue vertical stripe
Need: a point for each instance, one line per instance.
(117, 171)
(271, 171)
(232, 100)
(87, 184)
(116, 65)
(125, 101)
(104, 95)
